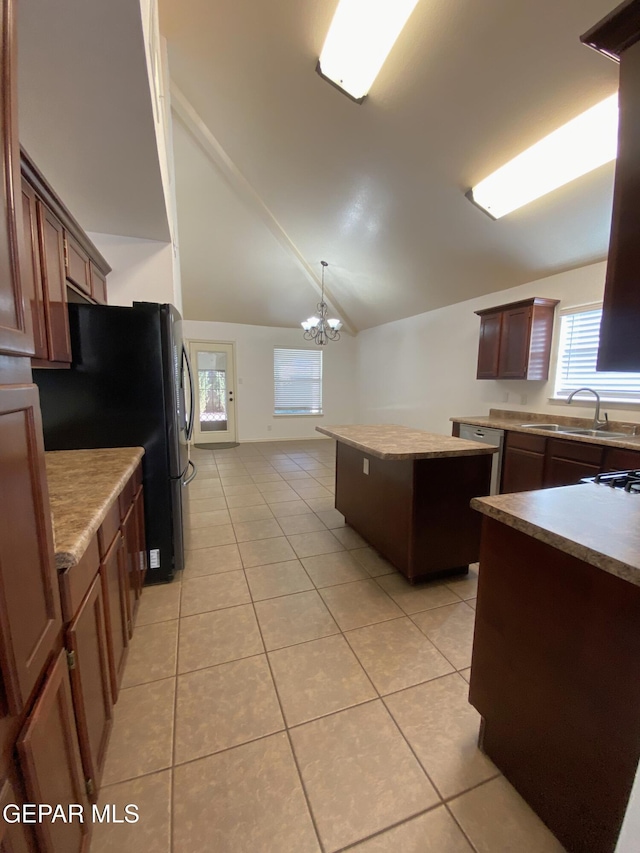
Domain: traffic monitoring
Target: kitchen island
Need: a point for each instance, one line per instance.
(407, 492)
(556, 650)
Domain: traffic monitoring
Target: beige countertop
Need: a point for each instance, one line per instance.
(510, 420)
(597, 524)
(83, 484)
(389, 441)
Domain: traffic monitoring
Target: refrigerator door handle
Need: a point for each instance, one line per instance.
(192, 404)
(189, 479)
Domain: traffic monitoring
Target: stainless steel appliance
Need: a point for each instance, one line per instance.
(491, 436)
(126, 388)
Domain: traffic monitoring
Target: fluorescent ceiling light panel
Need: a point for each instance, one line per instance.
(573, 150)
(359, 40)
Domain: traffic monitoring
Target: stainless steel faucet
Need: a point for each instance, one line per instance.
(597, 423)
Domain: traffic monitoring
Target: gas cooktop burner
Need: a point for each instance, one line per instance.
(627, 480)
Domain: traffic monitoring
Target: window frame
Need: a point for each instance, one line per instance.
(607, 395)
(282, 414)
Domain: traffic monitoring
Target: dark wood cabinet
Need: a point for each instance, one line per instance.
(131, 559)
(77, 266)
(619, 459)
(523, 462)
(138, 506)
(31, 272)
(618, 38)
(86, 642)
(54, 285)
(114, 589)
(569, 461)
(98, 285)
(50, 762)
(15, 323)
(515, 340)
(30, 618)
(489, 347)
(14, 837)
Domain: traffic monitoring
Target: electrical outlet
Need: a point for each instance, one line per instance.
(365, 466)
(524, 399)
(269, 428)
(240, 380)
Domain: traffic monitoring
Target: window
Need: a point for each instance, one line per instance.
(297, 377)
(577, 354)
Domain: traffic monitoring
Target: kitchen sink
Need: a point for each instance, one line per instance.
(549, 427)
(592, 433)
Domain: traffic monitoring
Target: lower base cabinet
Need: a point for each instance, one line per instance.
(50, 762)
(14, 837)
(113, 579)
(86, 643)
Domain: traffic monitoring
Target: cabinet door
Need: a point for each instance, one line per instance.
(98, 285)
(14, 837)
(15, 324)
(77, 264)
(55, 285)
(31, 272)
(514, 343)
(568, 472)
(91, 682)
(30, 619)
(131, 559)
(522, 470)
(50, 762)
(489, 346)
(142, 540)
(619, 459)
(113, 580)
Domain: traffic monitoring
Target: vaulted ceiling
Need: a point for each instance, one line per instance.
(276, 170)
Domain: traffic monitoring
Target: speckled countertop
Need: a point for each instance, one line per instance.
(597, 524)
(389, 441)
(510, 420)
(83, 484)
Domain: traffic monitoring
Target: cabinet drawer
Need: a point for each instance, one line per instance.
(575, 450)
(126, 496)
(109, 529)
(526, 441)
(76, 580)
(77, 264)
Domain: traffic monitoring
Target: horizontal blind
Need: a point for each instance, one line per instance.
(577, 356)
(297, 376)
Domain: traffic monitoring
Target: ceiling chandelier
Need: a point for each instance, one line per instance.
(321, 329)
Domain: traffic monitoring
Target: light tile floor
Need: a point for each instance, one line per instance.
(292, 693)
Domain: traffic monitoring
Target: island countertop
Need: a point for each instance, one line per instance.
(596, 524)
(390, 441)
(83, 484)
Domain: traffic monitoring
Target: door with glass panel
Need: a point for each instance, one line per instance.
(214, 378)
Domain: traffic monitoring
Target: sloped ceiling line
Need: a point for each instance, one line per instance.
(200, 132)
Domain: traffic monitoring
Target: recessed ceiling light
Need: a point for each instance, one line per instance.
(573, 150)
(359, 40)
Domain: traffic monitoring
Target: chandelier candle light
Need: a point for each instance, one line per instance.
(320, 329)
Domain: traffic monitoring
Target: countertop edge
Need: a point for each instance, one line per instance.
(70, 555)
(582, 552)
(433, 454)
(631, 443)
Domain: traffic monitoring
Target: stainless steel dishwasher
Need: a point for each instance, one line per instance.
(487, 436)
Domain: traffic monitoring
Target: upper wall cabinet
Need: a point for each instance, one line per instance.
(515, 340)
(15, 323)
(618, 38)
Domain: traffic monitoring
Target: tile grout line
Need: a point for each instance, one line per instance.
(173, 728)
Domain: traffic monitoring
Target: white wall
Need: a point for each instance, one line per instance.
(254, 371)
(421, 371)
(142, 270)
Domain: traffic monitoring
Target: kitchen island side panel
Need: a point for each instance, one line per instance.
(555, 678)
(378, 505)
(446, 530)
(415, 512)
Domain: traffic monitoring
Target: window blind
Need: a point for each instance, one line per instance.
(297, 376)
(577, 356)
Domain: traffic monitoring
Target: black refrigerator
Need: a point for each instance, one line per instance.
(128, 386)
